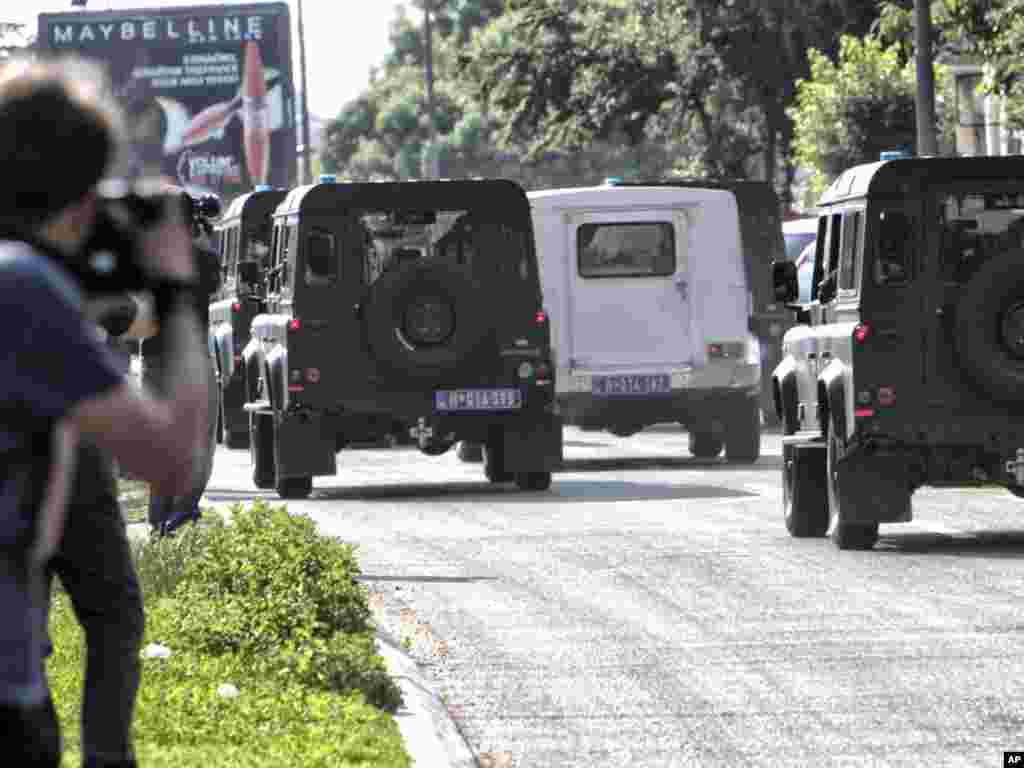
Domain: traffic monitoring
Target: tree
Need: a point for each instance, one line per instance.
(848, 112)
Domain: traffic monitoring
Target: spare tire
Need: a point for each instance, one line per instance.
(989, 334)
(425, 319)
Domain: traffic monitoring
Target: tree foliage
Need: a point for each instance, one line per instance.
(552, 91)
(848, 112)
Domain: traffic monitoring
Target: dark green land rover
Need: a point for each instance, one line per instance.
(908, 366)
(243, 232)
(403, 309)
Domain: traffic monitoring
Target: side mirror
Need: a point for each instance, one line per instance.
(249, 271)
(784, 281)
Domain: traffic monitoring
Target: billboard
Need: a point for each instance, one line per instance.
(207, 89)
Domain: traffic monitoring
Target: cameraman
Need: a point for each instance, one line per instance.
(163, 509)
(59, 382)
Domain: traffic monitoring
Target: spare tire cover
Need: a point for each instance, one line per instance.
(990, 327)
(425, 319)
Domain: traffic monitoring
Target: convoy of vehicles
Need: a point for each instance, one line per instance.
(404, 307)
(416, 310)
(907, 367)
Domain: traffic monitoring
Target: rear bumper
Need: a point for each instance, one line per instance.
(692, 407)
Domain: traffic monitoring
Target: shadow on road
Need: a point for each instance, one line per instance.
(561, 491)
(427, 579)
(995, 544)
(666, 462)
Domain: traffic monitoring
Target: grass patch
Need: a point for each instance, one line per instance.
(270, 607)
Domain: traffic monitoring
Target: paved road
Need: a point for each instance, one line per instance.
(651, 610)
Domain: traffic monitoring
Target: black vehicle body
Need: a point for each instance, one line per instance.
(761, 233)
(908, 367)
(243, 232)
(378, 324)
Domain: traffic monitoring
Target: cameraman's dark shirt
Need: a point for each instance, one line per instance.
(52, 359)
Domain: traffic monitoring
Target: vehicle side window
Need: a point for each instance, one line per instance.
(830, 270)
(820, 249)
(321, 258)
(278, 257)
(849, 261)
(289, 251)
(895, 248)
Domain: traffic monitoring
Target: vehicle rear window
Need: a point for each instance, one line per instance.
(489, 249)
(628, 249)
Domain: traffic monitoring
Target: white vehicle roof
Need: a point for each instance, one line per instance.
(600, 196)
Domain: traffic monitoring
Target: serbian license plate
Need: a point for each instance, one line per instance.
(505, 399)
(631, 386)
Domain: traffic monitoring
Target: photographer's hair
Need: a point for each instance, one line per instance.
(59, 129)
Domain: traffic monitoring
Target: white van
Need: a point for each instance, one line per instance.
(650, 309)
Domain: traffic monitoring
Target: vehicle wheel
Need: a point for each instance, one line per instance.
(494, 461)
(743, 434)
(990, 327)
(704, 446)
(844, 535)
(804, 497)
(470, 453)
(1016, 490)
(533, 481)
(220, 423)
(294, 487)
(236, 441)
(261, 450)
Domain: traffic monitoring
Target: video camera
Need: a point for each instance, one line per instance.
(112, 260)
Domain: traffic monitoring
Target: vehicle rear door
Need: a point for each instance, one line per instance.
(630, 289)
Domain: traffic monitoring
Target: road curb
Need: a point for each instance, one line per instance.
(431, 736)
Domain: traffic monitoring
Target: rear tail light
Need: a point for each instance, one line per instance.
(732, 350)
(861, 333)
(236, 306)
(543, 370)
(294, 324)
(541, 317)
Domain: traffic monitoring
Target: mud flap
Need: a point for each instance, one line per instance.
(876, 489)
(535, 447)
(303, 449)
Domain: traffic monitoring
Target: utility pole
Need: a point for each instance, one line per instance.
(431, 171)
(927, 143)
(307, 166)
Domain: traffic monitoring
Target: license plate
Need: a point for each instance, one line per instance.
(451, 400)
(631, 386)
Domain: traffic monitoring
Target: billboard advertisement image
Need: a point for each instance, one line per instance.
(207, 90)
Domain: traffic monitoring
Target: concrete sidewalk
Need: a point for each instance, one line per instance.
(431, 736)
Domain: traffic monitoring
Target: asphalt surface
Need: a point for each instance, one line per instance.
(651, 610)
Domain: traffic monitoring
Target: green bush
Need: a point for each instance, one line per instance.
(270, 589)
(181, 720)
